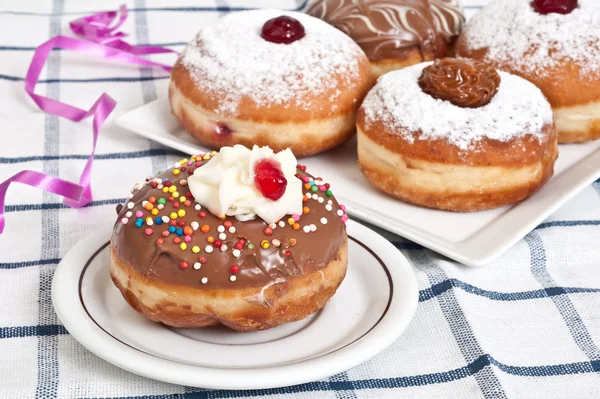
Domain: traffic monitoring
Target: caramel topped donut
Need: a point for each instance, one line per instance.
(270, 78)
(395, 33)
(463, 82)
(553, 44)
(237, 243)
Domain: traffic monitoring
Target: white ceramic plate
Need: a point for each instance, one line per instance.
(372, 307)
(471, 238)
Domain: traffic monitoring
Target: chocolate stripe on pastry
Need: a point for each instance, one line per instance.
(388, 29)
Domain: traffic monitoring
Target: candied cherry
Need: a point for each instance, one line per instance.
(269, 179)
(554, 6)
(282, 30)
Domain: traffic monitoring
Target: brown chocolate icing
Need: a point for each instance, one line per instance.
(298, 253)
(387, 29)
(463, 82)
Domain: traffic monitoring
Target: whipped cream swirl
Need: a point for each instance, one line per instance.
(225, 185)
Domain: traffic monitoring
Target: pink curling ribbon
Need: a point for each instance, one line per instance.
(103, 41)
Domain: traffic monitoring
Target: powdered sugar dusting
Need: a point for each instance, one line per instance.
(512, 29)
(518, 108)
(230, 59)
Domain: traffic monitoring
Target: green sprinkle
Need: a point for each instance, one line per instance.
(328, 193)
(162, 201)
(314, 189)
(250, 246)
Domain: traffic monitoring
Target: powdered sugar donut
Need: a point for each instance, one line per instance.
(559, 53)
(456, 135)
(270, 78)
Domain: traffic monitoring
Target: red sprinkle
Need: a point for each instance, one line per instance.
(183, 169)
(152, 200)
(181, 223)
(154, 184)
(238, 245)
(268, 231)
(176, 240)
(167, 183)
(198, 164)
(202, 259)
(327, 185)
(173, 223)
(234, 269)
(165, 233)
(218, 244)
(242, 241)
(191, 170)
(202, 215)
(227, 224)
(160, 241)
(149, 231)
(171, 199)
(187, 203)
(184, 265)
(176, 205)
(288, 253)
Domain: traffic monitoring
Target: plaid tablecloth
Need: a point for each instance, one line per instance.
(526, 326)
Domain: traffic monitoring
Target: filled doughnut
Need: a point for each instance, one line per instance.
(555, 44)
(244, 238)
(395, 33)
(270, 78)
(456, 135)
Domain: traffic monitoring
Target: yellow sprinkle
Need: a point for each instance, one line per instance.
(148, 218)
(193, 158)
(181, 213)
(264, 244)
(213, 153)
(154, 211)
(182, 199)
(172, 189)
(165, 189)
(173, 215)
(183, 161)
(195, 249)
(291, 221)
(175, 172)
(175, 194)
(183, 246)
(206, 157)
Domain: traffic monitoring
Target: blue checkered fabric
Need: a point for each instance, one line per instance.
(526, 326)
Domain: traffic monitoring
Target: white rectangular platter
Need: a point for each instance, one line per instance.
(471, 238)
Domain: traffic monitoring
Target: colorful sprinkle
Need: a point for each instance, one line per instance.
(160, 241)
(236, 253)
(276, 243)
(197, 265)
(183, 246)
(149, 231)
(139, 222)
(306, 229)
(232, 278)
(222, 236)
(221, 229)
(130, 205)
(328, 193)
(208, 249)
(187, 239)
(264, 244)
(323, 220)
(197, 207)
(234, 269)
(195, 225)
(124, 220)
(139, 214)
(187, 230)
(296, 226)
(195, 249)
(340, 212)
(268, 231)
(202, 259)
(210, 239)
(204, 280)
(205, 228)
(181, 213)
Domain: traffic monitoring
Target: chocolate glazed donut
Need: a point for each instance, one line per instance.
(179, 264)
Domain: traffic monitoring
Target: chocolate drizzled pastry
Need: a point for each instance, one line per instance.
(463, 82)
(388, 29)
